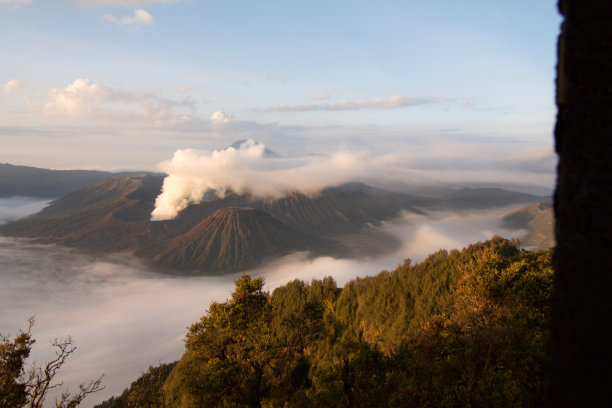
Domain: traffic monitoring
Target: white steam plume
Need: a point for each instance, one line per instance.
(192, 173)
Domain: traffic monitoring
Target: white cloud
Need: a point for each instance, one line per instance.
(81, 98)
(124, 3)
(379, 103)
(140, 18)
(84, 99)
(219, 118)
(11, 86)
(321, 96)
(192, 173)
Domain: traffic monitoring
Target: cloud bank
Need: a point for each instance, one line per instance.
(13, 208)
(379, 103)
(192, 173)
(85, 99)
(11, 86)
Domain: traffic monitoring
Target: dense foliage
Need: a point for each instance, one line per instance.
(146, 392)
(461, 329)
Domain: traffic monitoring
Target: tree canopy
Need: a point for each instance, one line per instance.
(462, 328)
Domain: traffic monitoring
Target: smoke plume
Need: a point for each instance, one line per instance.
(249, 167)
(192, 173)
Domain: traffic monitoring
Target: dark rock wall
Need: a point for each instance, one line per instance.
(582, 312)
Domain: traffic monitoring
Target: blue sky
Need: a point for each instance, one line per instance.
(125, 83)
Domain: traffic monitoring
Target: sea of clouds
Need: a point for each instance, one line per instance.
(123, 317)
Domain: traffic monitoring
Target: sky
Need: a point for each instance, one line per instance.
(124, 84)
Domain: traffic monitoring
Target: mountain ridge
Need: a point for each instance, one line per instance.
(114, 215)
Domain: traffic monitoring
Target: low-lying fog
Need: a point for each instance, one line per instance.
(124, 318)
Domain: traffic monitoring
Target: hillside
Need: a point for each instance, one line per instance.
(229, 240)
(94, 217)
(36, 182)
(538, 220)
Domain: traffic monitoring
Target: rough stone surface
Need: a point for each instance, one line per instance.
(582, 307)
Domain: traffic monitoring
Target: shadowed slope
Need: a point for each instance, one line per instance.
(538, 220)
(231, 239)
(36, 182)
(105, 216)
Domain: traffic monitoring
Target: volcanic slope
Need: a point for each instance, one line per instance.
(114, 215)
(231, 239)
(344, 209)
(110, 215)
(36, 182)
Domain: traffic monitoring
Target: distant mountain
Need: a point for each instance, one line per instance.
(45, 183)
(221, 234)
(488, 197)
(230, 240)
(267, 152)
(538, 220)
(36, 182)
(110, 215)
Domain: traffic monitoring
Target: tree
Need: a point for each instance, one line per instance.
(13, 354)
(252, 351)
(148, 390)
(490, 348)
(29, 388)
(232, 349)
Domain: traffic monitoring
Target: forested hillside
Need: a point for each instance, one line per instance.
(461, 329)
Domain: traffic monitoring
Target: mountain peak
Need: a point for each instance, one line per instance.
(229, 240)
(267, 152)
